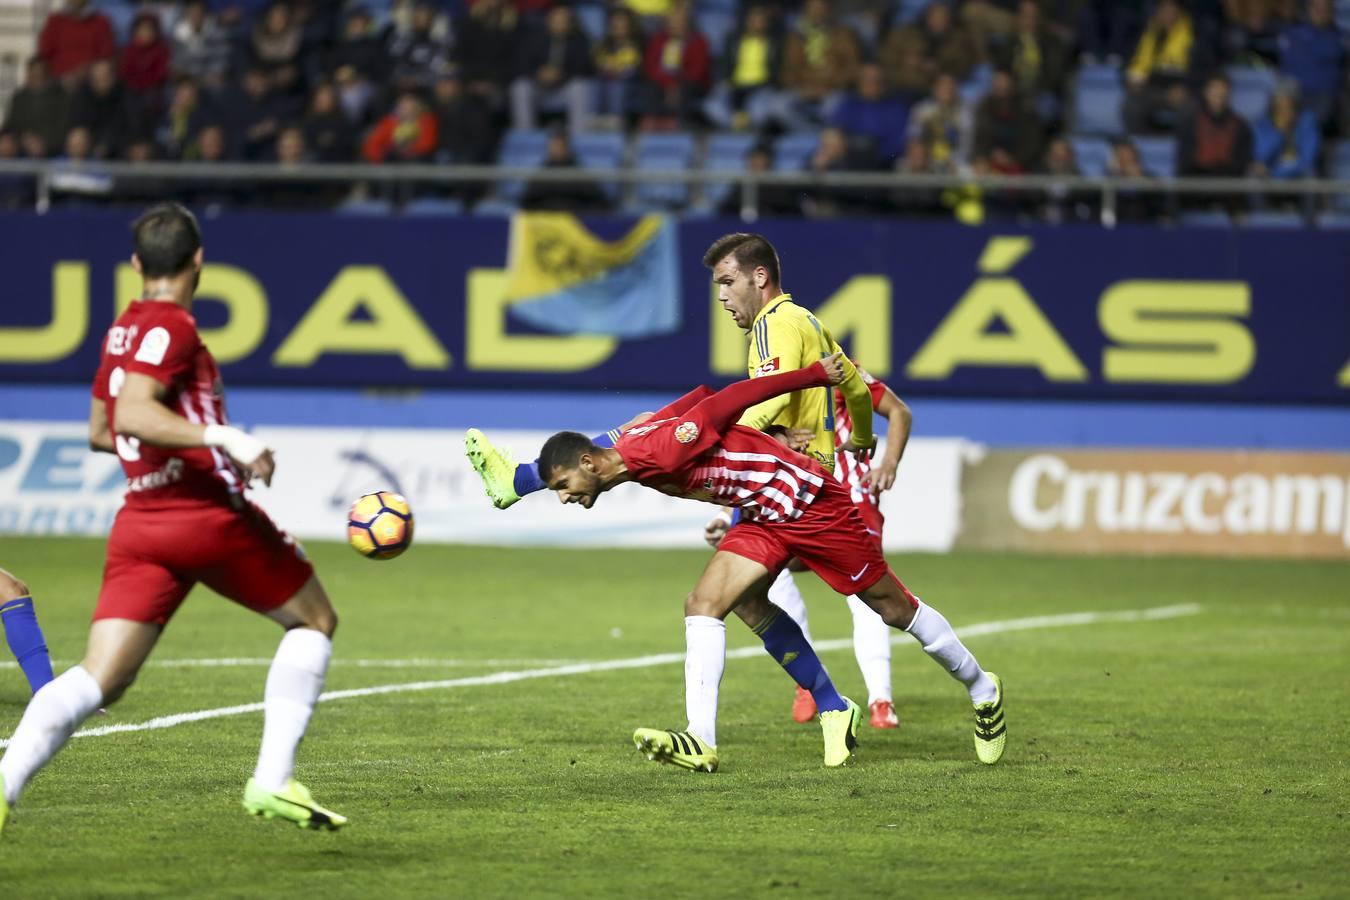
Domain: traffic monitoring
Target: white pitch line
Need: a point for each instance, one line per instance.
(642, 662)
(262, 661)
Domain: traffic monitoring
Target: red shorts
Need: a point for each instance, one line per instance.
(831, 538)
(872, 519)
(155, 556)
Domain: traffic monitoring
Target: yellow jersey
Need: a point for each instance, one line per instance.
(783, 337)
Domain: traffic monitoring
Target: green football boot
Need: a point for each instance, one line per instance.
(991, 731)
(294, 804)
(676, 748)
(495, 466)
(840, 728)
(4, 806)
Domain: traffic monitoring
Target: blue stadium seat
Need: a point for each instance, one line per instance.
(1336, 220)
(520, 148)
(591, 18)
(1208, 218)
(908, 10)
(120, 16)
(434, 206)
(1251, 91)
(1097, 101)
(726, 152)
(1158, 156)
(715, 24)
(365, 207)
(1340, 170)
(657, 152)
(600, 150)
(490, 206)
(793, 150)
(1092, 154)
(1343, 15)
(977, 84)
(1270, 218)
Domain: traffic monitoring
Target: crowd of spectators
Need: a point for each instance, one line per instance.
(297, 81)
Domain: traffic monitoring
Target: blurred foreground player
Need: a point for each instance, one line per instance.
(22, 632)
(158, 404)
(791, 507)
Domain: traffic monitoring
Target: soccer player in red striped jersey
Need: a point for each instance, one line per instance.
(791, 507)
(159, 405)
(865, 480)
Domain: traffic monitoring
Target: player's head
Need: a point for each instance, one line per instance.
(569, 465)
(167, 241)
(746, 272)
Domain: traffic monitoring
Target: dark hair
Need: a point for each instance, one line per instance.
(749, 250)
(562, 451)
(166, 238)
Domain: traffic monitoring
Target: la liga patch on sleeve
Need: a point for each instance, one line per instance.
(686, 432)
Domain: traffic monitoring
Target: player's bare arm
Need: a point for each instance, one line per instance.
(899, 421)
(142, 414)
(100, 432)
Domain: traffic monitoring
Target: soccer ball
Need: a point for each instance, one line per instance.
(380, 525)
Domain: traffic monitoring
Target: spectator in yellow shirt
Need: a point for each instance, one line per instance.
(1156, 78)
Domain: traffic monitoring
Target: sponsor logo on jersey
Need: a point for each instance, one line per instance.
(767, 367)
(153, 346)
(686, 432)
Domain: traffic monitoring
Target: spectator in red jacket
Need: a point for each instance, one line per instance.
(677, 66)
(408, 134)
(73, 39)
(145, 59)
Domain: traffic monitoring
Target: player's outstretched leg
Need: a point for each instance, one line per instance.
(785, 595)
(504, 479)
(294, 683)
(22, 632)
(872, 649)
(901, 609)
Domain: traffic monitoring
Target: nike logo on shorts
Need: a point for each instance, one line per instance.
(860, 572)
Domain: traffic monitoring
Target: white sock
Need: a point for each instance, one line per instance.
(705, 655)
(294, 683)
(785, 595)
(50, 719)
(940, 642)
(872, 648)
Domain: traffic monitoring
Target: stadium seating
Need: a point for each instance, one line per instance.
(1158, 156)
(793, 150)
(1092, 154)
(520, 148)
(977, 85)
(1097, 100)
(716, 25)
(909, 10)
(1252, 89)
(431, 207)
(1206, 218)
(591, 18)
(603, 151)
(724, 153)
(1270, 218)
(1334, 220)
(663, 152)
(365, 207)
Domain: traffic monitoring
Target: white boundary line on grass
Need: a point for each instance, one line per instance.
(1154, 614)
(231, 662)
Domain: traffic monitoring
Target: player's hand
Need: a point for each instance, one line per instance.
(860, 451)
(800, 439)
(717, 529)
(834, 367)
(881, 478)
(247, 451)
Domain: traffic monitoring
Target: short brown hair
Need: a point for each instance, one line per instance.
(749, 250)
(166, 238)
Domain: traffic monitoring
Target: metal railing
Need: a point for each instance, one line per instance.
(49, 175)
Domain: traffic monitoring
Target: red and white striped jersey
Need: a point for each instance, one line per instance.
(684, 456)
(160, 339)
(848, 468)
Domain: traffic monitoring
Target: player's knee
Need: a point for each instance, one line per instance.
(700, 604)
(115, 685)
(889, 603)
(326, 621)
(11, 588)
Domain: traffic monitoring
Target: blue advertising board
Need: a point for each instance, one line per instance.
(935, 309)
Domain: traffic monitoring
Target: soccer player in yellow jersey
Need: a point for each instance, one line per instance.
(784, 336)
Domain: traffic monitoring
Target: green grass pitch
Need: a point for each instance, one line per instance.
(1203, 756)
